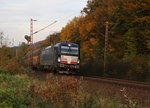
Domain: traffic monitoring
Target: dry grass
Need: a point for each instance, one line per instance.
(59, 91)
(129, 97)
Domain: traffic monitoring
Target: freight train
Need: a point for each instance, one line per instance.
(63, 57)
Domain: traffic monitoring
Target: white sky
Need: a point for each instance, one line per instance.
(15, 17)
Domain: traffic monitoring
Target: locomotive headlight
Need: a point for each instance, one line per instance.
(78, 61)
(58, 59)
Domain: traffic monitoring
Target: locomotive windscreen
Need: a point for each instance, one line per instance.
(69, 50)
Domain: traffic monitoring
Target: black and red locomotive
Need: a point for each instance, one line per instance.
(63, 57)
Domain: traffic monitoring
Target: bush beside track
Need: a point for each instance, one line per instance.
(54, 91)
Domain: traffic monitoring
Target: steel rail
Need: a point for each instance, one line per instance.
(137, 84)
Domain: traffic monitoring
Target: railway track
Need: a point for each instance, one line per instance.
(138, 91)
(134, 90)
(126, 83)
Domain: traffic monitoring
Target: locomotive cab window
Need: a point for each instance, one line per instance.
(69, 50)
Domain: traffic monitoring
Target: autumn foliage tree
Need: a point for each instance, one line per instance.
(128, 42)
(50, 40)
(128, 34)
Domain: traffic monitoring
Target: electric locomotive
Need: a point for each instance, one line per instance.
(63, 57)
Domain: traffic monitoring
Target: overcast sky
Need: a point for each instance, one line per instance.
(15, 17)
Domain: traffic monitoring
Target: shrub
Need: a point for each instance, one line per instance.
(3, 71)
(139, 68)
(52, 92)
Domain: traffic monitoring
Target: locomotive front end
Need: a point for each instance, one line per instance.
(69, 58)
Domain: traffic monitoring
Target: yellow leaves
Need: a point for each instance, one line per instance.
(85, 49)
(86, 29)
(93, 41)
(66, 33)
(70, 31)
(88, 48)
(82, 30)
(90, 26)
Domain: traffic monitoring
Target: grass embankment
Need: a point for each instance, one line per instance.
(22, 91)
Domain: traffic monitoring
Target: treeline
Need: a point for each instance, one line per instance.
(128, 44)
(127, 47)
(11, 58)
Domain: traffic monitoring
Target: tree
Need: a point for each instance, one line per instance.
(50, 40)
(128, 30)
(71, 31)
(131, 20)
